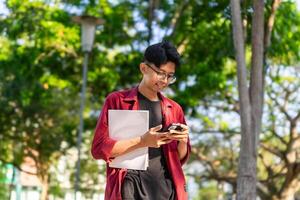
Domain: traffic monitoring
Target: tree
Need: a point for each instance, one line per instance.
(40, 72)
(251, 99)
(278, 160)
(216, 161)
(36, 115)
(280, 144)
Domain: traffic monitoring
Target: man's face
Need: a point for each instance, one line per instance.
(156, 78)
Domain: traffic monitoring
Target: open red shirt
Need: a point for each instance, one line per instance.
(103, 144)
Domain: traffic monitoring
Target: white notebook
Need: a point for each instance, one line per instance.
(126, 124)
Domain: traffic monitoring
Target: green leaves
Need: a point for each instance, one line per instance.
(285, 45)
(41, 71)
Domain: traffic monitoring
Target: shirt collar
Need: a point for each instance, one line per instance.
(132, 96)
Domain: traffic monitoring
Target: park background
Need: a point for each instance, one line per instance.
(41, 79)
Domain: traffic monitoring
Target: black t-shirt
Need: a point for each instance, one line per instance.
(155, 183)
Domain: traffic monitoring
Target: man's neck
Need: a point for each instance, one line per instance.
(151, 95)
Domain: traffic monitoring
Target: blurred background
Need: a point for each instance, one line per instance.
(41, 63)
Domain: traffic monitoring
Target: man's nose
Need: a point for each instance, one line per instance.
(165, 80)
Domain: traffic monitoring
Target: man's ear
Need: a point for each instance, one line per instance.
(143, 68)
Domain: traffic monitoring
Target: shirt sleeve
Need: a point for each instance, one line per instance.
(102, 144)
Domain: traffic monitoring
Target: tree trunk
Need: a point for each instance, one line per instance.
(289, 192)
(45, 187)
(220, 188)
(246, 173)
(257, 79)
(256, 82)
(151, 10)
(250, 105)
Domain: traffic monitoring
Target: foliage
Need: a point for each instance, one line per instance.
(208, 191)
(3, 182)
(40, 76)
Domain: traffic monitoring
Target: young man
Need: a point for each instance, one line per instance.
(168, 150)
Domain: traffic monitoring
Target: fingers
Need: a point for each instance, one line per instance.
(183, 138)
(156, 128)
(185, 127)
(162, 142)
(179, 135)
(156, 138)
(162, 134)
(184, 132)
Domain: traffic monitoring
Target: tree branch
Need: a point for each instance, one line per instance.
(270, 23)
(203, 158)
(213, 131)
(275, 152)
(231, 179)
(282, 108)
(291, 182)
(296, 118)
(151, 12)
(177, 16)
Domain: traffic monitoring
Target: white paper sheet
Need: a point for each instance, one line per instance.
(126, 124)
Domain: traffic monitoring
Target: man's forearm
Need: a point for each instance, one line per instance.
(182, 149)
(125, 146)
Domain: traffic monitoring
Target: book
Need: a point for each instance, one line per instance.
(127, 124)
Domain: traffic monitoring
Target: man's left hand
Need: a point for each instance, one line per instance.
(181, 136)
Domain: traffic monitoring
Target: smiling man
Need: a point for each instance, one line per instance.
(168, 149)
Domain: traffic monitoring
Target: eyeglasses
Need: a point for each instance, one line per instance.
(162, 75)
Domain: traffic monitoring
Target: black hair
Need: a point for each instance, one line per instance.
(161, 53)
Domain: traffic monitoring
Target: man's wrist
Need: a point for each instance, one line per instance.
(182, 149)
(182, 145)
(140, 141)
(183, 142)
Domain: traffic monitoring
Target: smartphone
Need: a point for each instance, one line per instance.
(175, 127)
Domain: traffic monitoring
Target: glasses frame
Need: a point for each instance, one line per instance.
(163, 75)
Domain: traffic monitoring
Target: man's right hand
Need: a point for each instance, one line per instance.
(153, 138)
